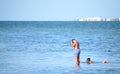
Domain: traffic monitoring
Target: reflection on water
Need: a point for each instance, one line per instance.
(77, 67)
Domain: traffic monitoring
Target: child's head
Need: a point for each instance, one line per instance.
(88, 60)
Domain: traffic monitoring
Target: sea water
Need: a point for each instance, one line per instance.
(43, 47)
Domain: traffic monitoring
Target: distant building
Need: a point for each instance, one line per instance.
(118, 19)
(99, 19)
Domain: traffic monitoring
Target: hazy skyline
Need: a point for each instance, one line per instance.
(57, 10)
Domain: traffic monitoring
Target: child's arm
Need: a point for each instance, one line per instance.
(72, 44)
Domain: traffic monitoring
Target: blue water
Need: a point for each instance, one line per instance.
(44, 47)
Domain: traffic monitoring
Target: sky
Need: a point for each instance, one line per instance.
(57, 10)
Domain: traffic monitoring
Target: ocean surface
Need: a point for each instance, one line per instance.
(43, 47)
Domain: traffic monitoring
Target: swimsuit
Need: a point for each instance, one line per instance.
(77, 53)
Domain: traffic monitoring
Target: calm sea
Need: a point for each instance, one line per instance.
(31, 47)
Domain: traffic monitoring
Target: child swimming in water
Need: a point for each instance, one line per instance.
(89, 61)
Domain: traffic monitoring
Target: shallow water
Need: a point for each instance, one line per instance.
(44, 47)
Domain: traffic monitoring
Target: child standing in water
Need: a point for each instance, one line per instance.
(75, 45)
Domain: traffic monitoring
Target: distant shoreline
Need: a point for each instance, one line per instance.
(51, 21)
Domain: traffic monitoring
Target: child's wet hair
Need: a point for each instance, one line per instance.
(72, 40)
